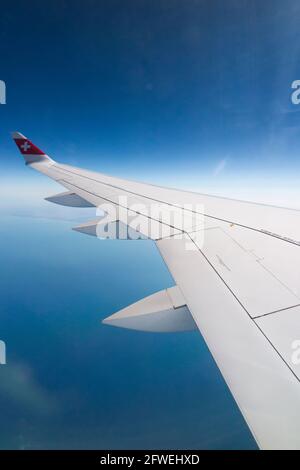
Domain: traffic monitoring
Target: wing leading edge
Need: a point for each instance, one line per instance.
(237, 276)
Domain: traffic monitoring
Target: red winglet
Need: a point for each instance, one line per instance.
(25, 146)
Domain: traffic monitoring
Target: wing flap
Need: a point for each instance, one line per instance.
(257, 288)
(283, 330)
(261, 381)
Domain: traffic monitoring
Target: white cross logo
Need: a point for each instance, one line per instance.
(25, 146)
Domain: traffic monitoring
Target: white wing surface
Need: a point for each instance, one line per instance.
(236, 266)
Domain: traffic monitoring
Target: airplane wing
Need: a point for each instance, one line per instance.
(236, 266)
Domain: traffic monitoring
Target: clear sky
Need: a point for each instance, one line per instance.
(194, 93)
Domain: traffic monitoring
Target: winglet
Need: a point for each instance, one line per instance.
(30, 152)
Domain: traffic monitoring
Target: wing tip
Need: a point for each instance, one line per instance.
(29, 151)
(17, 135)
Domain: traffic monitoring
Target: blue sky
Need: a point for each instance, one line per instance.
(193, 93)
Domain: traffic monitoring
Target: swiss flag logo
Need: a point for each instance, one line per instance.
(28, 148)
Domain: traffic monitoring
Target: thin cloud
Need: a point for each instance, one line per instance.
(220, 167)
